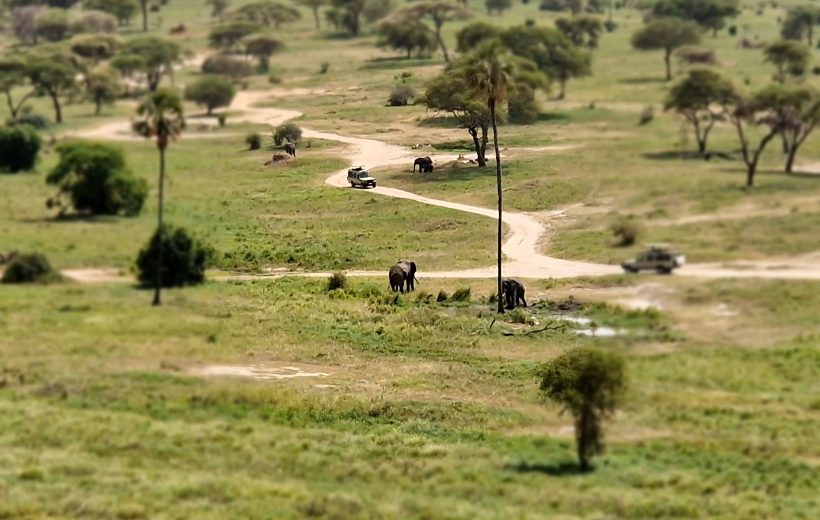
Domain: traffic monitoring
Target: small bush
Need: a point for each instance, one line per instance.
(401, 95)
(647, 115)
(19, 146)
(337, 280)
(275, 77)
(288, 132)
(442, 297)
(733, 30)
(254, 141)
(610, 25)
(553, 5)
(461, 295)
(816, 70)
(184, 259)
(521, 107)
(33, 120)
(625, 231)
(29, 268)
(222, 119)
(324, 67)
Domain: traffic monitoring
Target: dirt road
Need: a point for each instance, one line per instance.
(524, 233)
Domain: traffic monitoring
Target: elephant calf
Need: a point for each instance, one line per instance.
(512, 292)
(402, 276)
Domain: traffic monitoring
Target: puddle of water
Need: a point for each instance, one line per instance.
(597, 332)
(255, 372)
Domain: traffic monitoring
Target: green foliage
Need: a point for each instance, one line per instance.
(344, 15)
(103, 85)
(438, 12)
(553, 5)
(19, 146)
(497, 6)
(54, 74)
(410, 37)
(29, 268)
(471, 35)
(94, 22)
(800, 22)
(789, 56)
(375, 10)
(52, 24)
(701, 98)
(461, 295)
(158, 54)
(337, 280)
(625, 231)
(521, 107)
(123, 10)
(184, 259)
(235, 69)
(254, 141)
(95, 47)
(266, 13)
(211, 92)
(262, 47)
(582, 30)
(588, 383)
(287, 132)
(666, 34)
(442, 296)
(401, 95)
(227, 36)
(709, 14)
(96, 180)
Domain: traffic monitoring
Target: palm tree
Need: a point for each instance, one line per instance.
(161, 117)
(490, 71)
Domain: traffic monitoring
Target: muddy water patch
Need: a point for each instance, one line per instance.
(259, 372)
(589, 327)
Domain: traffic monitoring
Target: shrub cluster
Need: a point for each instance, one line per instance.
(401, 95)
(19, 146)
(288, 132)
(184, 259)
(337, 280)
(29, 268)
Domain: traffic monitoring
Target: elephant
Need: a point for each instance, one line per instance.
(427, 168)
(402, 276)
(290, 148)
(512, 291)
(422, 163)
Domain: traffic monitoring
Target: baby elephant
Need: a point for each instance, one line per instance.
(512, 292)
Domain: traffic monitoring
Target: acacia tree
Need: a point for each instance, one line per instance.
(123, 10)
(314, 6)
(589, 384)
(408, 37)
(794, 110)
(227, 36)
(789, 56)
(267, 13)
(666, 34)
(55, 77)
(13, 75)
(262, 47)
(499, 6)
(158, 55)
(490, 72)
(161, 117)
(709, 14)
(701, 97)
(437, 11)
(474, 34)
(211, 92)
(749, 115)
(582, 30)
(102, 86)
(345, 15)
(800, 22)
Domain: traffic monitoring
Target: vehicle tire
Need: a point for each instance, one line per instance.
(630, 270)
(664, 270)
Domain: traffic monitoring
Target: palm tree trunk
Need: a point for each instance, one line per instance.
(144, 4)
(491, 102)
(158, 280)
(667, 59)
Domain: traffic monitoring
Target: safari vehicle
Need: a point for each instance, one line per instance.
(360, 177)
(658, 257)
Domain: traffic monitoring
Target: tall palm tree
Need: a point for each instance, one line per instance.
(490, 70)
(161, 117)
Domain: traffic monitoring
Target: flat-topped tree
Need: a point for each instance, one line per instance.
(262, 47)
(267, 13)
(158, 54)
(702, 98)
(227, 36)
(800, 22)
(409, 37)
(314, 6)
(709, 14)
(438, 12)
(53, 72)
(794, 110)
(13, 75)
(211, 92)
(103, 85)
(791, 58)
(123, 10)
(161, 118)
(582, 30)
(666, 34)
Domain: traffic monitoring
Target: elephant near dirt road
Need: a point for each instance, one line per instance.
(290, 149)
(512, 291)
(425, 164)
(402, 276)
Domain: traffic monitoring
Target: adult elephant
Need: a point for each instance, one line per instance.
(424, 163)
(402, 276)
(512, 292)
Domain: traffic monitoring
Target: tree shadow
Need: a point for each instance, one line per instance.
(448, 174)
(553, 116)
(642, 80)
(687, 155)
(562, 469)
(439, 122)
(395, 62)
(72, 218)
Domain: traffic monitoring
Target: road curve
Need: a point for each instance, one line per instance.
(524, 232)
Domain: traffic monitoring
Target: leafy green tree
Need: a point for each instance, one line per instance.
(589, 384)
(158, 54)
(490, 71)
(521, 107)
(232, 68)
(162, 118)
(211, 92)
(262, 47)
(345, 15)
(227, 36)
(267, 13)
(128, 65)
(103, 85)
(438, 12)
(13, 76)
(472, 35)
(552, 52)
(375, 10)
(19, 146)
(789, 56)
(180, 259)
(52, 24)
(287, 132)
(123, 10)
(666, 34)
(96, 180)
(55, 77)
(314, 6)
(94, 22)
(218, 7)
(709, 14)
(450, 93)
(794, 110)
(95, 47)
(497, 6)
(409, 37)
(702, 98)
(800, 23)
(582, 30)
(750, 117)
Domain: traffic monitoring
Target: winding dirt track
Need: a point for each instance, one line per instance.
(523, 231)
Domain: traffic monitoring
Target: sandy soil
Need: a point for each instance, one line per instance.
(520, 249)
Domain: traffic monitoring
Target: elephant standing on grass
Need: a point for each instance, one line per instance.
(512, 291)
(402, 276)
(425, 164)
